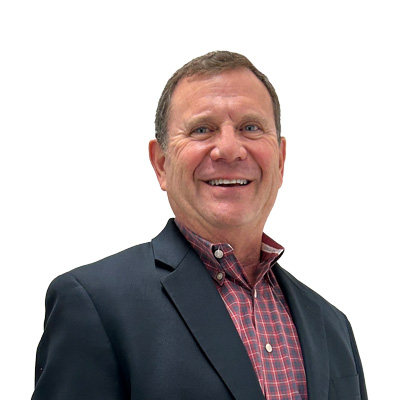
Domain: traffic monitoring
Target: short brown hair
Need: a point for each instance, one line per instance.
(210, 64)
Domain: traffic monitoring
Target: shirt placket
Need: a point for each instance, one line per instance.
(263, 345)
(270, 354)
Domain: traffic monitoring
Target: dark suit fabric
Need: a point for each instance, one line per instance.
(148, 323)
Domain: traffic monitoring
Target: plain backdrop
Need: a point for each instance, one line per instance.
(79, 85)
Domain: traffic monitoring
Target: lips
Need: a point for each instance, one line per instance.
(228, 182)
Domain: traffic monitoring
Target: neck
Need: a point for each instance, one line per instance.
(249, 258)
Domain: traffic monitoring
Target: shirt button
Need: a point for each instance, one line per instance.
(268, 347)
(218, 253)
(220, 276)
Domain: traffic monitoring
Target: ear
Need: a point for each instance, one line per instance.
(157, 158)
(282, 156)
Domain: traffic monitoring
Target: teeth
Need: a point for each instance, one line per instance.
(217, 182)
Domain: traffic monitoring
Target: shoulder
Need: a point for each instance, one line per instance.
(126, 261)
(112, 274)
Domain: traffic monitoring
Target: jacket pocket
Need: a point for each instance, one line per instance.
(347, 388)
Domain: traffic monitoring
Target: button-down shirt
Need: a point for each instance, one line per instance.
(260, 315)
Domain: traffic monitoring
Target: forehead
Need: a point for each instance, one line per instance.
(231, 85)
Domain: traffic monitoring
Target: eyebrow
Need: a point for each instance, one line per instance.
(256, 117)
(203, 119)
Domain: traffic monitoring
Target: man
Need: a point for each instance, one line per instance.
(203, 311)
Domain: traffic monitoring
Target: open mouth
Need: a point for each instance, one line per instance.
(228, 182)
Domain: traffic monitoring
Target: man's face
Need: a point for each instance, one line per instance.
(223, 165)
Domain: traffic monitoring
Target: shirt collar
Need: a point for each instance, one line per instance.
(271, 251)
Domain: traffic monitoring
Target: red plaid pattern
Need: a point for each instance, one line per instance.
(260, 314)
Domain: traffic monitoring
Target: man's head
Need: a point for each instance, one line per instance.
(212, 63)
(222, 164)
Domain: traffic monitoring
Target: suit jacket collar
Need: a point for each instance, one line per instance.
(193, 293)
(308, 319)
(205, 314)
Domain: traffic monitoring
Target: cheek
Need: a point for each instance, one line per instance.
(179, 173)
(193, 161)
(265, 159)
(268, 162)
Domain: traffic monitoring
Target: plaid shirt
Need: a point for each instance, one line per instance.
(260, 314)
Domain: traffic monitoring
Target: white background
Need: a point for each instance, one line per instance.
(79, 85)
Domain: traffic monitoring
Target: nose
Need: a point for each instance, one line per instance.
(228, 146)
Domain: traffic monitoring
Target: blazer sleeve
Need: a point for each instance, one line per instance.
(363, 388)
(75, 358)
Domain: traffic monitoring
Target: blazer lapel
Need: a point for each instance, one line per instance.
(193, 293)
(308, 319)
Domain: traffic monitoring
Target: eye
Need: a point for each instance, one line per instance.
(201, 129)
(251, 128)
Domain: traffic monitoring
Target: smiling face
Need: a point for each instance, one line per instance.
(223, 164)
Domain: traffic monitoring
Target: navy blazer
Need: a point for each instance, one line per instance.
(148, 323)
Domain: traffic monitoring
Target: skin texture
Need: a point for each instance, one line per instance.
(222, 127)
